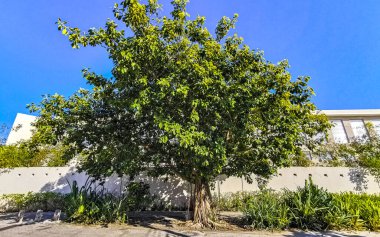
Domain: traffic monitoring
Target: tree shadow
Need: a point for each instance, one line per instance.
(148, 218)
(174, 193)
(11, 217)
(297, 233)
(170, 233)
(27, 220)
(62, 185)
(359, 177)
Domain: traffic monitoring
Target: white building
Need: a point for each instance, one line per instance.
(348, 125)
(22, 128)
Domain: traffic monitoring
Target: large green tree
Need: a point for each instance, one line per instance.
(181, 101)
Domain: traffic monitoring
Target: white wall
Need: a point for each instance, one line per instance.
(56, 179)
(21, 129)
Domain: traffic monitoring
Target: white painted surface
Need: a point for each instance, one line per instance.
(21, 129)
(352, 112)
(56, 179)
(338, 131)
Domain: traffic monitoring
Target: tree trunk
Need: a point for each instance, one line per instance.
(203, 213)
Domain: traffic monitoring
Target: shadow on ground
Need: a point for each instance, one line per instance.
(295, 233)
(9, 220)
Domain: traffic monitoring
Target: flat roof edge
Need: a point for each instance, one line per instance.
(352, 112)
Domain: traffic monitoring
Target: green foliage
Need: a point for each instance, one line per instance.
(180, 101)
(24, 155)
(308, 206)
(360, 152)
(15, 156)
(353, 211)
(89, 205)
(47, 201)
(301, 160)
(138, 196)
(267, 210)
(92, 203)
(233, 201)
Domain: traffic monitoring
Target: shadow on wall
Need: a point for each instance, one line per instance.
(173, 191)
(359, 177)
(327, 234)
(62, 184)
(5, 170)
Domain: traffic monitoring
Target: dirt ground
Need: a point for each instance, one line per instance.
(155, 224)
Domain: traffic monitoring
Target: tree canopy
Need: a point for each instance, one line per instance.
(181, 101)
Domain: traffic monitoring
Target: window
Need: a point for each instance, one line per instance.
(338, 132)
(376, 126)
(358, 128)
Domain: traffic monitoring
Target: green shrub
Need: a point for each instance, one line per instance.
(267, 210)
(308, 206)
(47, 201)
(233, 201)
(139, 197)
(354, 211)
(93, 204)
(25, 155)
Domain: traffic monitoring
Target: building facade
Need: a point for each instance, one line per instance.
(347, 125)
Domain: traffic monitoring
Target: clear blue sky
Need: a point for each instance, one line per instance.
(337, 43)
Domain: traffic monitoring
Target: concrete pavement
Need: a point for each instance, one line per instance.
(9, 228)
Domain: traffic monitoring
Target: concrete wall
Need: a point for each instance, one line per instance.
(56, 179)
(21, 129)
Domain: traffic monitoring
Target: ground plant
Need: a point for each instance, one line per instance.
(92, 203)
(307, 208)
(233, 201)
(267, 210)
(47, 201)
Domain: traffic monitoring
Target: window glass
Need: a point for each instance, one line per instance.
(338, 132)
(358, 128)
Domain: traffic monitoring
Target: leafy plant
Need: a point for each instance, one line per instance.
(233, 201)
(47, 201)
(308, 205)
(267, 210)
(354, 211)
(138, 196)
(92, 203)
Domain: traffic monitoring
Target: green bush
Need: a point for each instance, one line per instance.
(139, 197)
(47, 201)
(308, 206)
(354, 211)
(233, 201)
(93, 204)
(267, 210)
